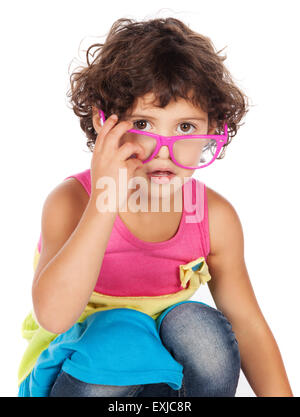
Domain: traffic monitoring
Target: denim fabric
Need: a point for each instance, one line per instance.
(200, 338)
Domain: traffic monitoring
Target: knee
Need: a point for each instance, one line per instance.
(201, 337)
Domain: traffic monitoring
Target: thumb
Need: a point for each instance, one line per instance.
(134, 164)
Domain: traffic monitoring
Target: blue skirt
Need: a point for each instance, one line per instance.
(112, 347)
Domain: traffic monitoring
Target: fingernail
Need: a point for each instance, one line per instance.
(114, 117)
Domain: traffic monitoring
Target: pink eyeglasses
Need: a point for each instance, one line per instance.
(186, 151)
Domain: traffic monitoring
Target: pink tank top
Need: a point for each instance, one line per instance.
(130, 265)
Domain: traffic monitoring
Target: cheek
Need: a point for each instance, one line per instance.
(185, 173)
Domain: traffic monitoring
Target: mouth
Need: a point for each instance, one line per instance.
(160, 176)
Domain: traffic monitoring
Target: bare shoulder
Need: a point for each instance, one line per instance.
(224, 223)
(76, 189)
(70, 194)
(217, 203)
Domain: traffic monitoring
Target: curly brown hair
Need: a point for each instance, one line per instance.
(165, 57)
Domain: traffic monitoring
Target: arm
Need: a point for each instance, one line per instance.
(233, 294)
(74, 239)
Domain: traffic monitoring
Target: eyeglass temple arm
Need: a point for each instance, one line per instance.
(102, 117)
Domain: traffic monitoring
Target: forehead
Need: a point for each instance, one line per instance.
(180, 105)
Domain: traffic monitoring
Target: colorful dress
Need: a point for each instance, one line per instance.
(116, 339)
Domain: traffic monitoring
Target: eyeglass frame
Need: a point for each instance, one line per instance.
(170, 140)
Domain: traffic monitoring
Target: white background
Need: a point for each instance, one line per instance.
(42, 143)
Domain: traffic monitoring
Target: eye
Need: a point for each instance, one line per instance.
(185, 125)
(140, 124)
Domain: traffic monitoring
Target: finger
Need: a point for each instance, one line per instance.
(133, 164)
(112, 139)
(107, 126)
(129, 149)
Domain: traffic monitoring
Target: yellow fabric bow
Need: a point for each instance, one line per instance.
(195, 270)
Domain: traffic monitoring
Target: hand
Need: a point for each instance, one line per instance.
(109, 156)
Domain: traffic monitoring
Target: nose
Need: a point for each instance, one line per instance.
(163, 153)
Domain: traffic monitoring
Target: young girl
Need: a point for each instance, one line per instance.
(112, 287)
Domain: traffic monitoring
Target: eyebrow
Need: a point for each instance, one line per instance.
(154, 118)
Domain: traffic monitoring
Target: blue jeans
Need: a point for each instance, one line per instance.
(200, 338)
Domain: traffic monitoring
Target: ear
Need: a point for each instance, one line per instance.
(96, 119)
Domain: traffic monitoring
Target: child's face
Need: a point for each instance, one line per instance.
(177, 118)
